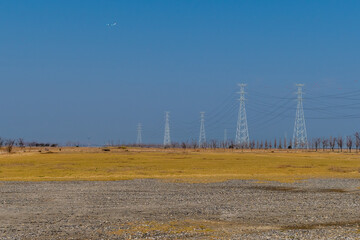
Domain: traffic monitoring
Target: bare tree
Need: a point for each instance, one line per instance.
(357, 141)
(261, 145)
(311, 144)
(1, 142)
(325, 143)
(332, 142)
(224, 144)
(21, 143)
(275, 143)
(232, 144)
(252, 145)
(317, 143)
(349, 142)
(340, 142)
(257, 144)
(194, 144)
(266, 144)
(9, 145)
(213, 143)
(175, 145)
(285, 143)
(280, 147)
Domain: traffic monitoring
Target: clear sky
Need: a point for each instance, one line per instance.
(67, 76)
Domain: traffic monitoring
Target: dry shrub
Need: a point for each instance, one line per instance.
(284, 166)
(292, 166)
(340, 169)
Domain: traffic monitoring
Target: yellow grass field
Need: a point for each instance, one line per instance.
(175, 165)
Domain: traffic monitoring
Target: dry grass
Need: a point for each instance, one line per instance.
(171, 227)
(191, 166)
(197, 228)
(210, 229)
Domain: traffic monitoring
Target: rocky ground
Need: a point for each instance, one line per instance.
(151, 209)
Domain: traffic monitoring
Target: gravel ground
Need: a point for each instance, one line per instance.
(152, 209)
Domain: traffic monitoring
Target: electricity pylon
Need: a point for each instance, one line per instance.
(242, 132)
(167, 140)
(300, 136)
(139, 137)
(202, 136)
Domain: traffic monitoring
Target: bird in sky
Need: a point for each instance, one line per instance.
(111, 24)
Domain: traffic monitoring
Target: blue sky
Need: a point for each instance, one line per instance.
(66, 76)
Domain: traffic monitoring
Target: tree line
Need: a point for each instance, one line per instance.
(315, 144)
(331, 143)
(9, 144)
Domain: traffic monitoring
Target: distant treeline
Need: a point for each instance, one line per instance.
(315, 144)
(9, 144)
(323, 143)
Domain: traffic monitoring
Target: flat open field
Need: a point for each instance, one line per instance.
(176, 194)
(190, 166)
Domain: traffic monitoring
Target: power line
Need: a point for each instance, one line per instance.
(265, 110)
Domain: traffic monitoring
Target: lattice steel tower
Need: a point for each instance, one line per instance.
(167, 140)
(139, 137)
(300, 136)
(242, 132)
(202, 137)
